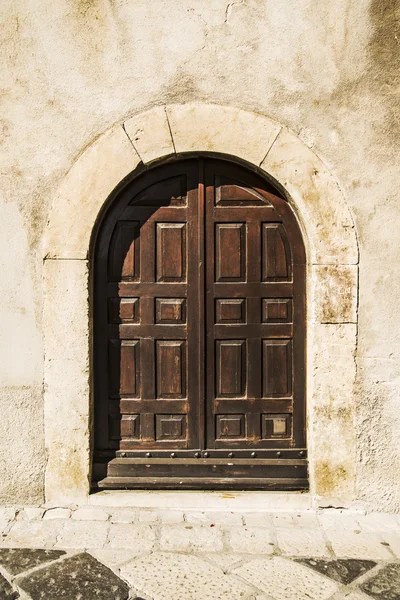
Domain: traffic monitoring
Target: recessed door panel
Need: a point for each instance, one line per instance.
(230, 251)
(277, 368)
(231, 367)
(124, 255)
(171, 369)
(171, 252)
(276, 261)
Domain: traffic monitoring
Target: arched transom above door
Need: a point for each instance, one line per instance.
(332, 256)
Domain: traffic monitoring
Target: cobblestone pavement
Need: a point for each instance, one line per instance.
(90, 553)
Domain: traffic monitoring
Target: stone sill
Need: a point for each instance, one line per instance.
(207, 500)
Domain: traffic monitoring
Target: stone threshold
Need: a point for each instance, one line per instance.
(215, 500)
(207, 500)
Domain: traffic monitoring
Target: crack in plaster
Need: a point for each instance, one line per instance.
(206, 34)
(229, 7)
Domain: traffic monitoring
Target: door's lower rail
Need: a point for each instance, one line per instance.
(218, 473)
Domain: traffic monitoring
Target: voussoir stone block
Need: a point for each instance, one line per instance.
(317, 198)
(83, 191)
(150, 134)
(228, 130)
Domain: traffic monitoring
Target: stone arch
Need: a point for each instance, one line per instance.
(328, 230)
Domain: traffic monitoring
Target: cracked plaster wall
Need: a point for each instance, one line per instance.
(329, 71)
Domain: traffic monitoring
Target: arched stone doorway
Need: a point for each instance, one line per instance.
(199, 333)
(328, 231)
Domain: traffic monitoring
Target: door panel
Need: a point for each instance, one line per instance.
(151, 400)
(199, 289)
(249, 336)
(171, 252)
(230, 251)
(276, 262)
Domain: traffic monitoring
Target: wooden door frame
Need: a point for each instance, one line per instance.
(332, 258)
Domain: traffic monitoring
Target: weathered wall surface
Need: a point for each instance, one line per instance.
(328, 70)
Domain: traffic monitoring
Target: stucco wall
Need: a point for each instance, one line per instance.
(327, 70)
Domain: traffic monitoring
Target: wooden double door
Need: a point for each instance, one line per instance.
(199, 319)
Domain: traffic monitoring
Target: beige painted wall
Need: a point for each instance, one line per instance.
(327, 70)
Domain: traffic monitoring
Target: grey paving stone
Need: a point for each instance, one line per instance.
(18, 560)
(6, 590)
(167, 576)
(385, 585)
(342, 570)
(79, 577)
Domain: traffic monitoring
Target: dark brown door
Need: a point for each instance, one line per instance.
(199, 333)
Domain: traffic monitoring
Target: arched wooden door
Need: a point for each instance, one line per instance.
(199, 333)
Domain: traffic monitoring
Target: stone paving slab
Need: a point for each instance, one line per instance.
(175, 576)
(342, 570)
(7, 592)
(165, 576)
(385, 585)
(18, 560)
(85, 553)
(282, 579)
(79, 576)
